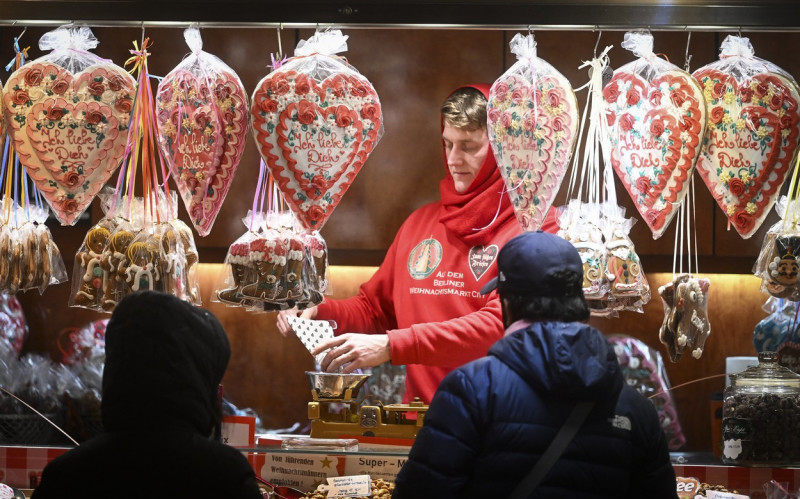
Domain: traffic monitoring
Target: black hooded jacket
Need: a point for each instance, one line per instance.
(164, 361)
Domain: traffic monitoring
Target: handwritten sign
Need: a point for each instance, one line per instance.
(349, 486)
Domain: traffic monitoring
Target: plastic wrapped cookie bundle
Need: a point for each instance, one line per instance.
(613, 277)
(643, 369)
(686, 323)
(777, 263)
(778, 327)
(29, 258)
(275, 265)
(202, 113)
(125, 252)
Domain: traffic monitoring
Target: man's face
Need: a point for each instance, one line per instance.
(466, 152)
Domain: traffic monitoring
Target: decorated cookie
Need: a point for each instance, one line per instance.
(654, 131)
(686, 323)
(753, 132)
(69, 130)
(239, 260)
(532, 129)
(268, 257)
(315, 131)
(202, 123)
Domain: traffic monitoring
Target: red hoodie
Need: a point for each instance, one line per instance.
(426, 293)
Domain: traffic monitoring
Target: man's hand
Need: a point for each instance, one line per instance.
(283, 321)
(354, 351)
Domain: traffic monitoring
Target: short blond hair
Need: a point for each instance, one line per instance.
(465, 108)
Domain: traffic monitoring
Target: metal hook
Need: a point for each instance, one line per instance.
(23, 32)
(142, 42)
(597, 43)
(687, 59)
(530, 30)
(280, 48)
(740, 31)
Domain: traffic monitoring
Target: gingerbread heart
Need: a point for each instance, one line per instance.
(202, 131)
(753, 134)
(654, 130)
(532, 129)
(315, 136)
(69, 130)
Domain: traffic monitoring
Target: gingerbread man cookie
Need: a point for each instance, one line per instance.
(92, 274)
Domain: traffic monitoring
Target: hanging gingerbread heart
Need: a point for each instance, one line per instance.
(753, 133)
(69, 130)
(202, 129)
(655, 119)
(315, 121)
(532, 122)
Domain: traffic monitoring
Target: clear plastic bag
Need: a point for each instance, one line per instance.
(686, 323)
(532, 123)
(777, 263)
(275, 265)
(654, 124)
(72, 97)
(644, 370)
(753, 116)
(202, 113)
(778, 327)
(331, 116)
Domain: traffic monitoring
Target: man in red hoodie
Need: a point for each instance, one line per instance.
(423, 307)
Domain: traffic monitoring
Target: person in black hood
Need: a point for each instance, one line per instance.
(492, 420)
(161, 411)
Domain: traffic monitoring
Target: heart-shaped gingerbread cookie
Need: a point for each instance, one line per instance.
(202, 131)
(69, 130)
(654, 129)
(315, 136)
(532, 129)
(751, 142)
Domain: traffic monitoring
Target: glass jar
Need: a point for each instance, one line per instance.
(761, 415)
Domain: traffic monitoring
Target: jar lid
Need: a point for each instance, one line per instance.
(767, 373)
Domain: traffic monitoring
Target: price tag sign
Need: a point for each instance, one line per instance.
(350, 486)
(713, 494)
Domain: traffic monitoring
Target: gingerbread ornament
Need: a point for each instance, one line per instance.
(115, 263)
(69, 113)
(239, 260)
(142, 271)
(91, 273)
(532, 117)
(268, 258)
(315, 121)
(753, 133)
(202, 114)
(655, 118)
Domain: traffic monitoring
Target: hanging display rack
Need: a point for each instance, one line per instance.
(695, 15)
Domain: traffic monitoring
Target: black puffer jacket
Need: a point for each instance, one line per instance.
(491, 420)
(164, 362)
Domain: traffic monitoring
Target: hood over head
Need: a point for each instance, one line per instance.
(569, 360)
(485, 203)
(165, 359)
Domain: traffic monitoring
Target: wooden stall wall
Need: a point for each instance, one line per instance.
(413, 70)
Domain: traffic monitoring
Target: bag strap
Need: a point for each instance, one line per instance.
(562, 439)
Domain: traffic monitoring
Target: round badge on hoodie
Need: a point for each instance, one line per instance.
(424, 258)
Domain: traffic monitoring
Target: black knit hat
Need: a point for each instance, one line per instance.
(165, 359)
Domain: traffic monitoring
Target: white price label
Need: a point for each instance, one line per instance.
(350, 486)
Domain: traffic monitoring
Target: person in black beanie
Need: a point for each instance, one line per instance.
(161, 413)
